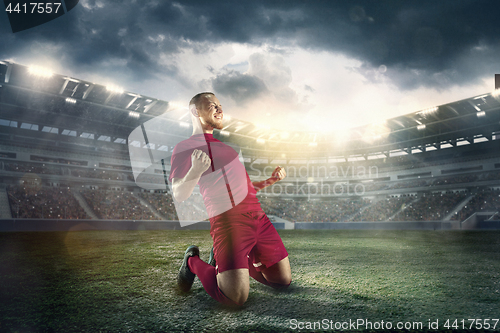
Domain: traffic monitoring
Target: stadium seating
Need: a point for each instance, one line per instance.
(34, 200)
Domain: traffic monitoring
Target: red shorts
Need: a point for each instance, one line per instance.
(240, 239)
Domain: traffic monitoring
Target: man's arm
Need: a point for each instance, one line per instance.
(182, 188)
(278, 174)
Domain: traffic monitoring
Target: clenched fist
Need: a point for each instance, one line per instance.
(200, 161)
(279, 173)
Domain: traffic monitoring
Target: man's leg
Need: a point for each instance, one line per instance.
(270, 251)
(193, 265)
(277, 276)
(230, 287)
(235, 284)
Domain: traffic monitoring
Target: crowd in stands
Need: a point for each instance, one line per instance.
(57, 160)
(427, 207)
(493, 175)
(382, 210)
(324, 187)
(156, 178)
(34, 201)
(409, 184)
(335, 210)
(321, 186)
(42, 168)
(44, 202)
(99, 174)
(116, 205)
(379, 186)
(375, 186)
(486, 200)
(33, 168)
(457, 179)
(162, 202)
(430, 207)
(291, 201)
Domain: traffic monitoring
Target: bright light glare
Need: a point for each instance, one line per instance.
(40, 71)
(262, 126)
(375, 131)
(429, 110)
(421, 127)
(134, 114)
(114, 89)
(284, 135)
(176, 105)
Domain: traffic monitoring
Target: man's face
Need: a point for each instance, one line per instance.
(210, 112)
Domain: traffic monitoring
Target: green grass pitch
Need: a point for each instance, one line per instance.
(125, 281)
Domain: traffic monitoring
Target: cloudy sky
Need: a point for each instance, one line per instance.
(291, 65)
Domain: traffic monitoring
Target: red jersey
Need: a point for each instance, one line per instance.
(225, 185)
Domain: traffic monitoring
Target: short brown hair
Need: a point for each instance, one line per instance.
(196, 99)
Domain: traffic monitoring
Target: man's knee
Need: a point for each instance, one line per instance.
(281, 282)
(280, 274)
(285, 281)
(235, 285)
(240, 296)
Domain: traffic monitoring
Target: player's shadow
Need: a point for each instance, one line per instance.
(308, 302)
(296, 301)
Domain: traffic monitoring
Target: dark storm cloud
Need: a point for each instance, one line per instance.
(239, 87)
(91, 34)
(441, 42)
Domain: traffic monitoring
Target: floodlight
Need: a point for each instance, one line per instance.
(70, 100)
(481, 114)
(421, 127)
(134, 114)
(496, 93)
(176, 106)
(40, 71)
(428, 110)
(261, 141)
(184, 124)
(224, 133)
(114, 89)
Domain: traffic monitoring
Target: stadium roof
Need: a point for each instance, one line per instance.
(37, 100)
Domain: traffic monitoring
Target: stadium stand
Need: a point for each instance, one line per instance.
(66, 153)
(32, 201)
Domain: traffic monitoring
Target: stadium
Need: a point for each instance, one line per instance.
(92, 237)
